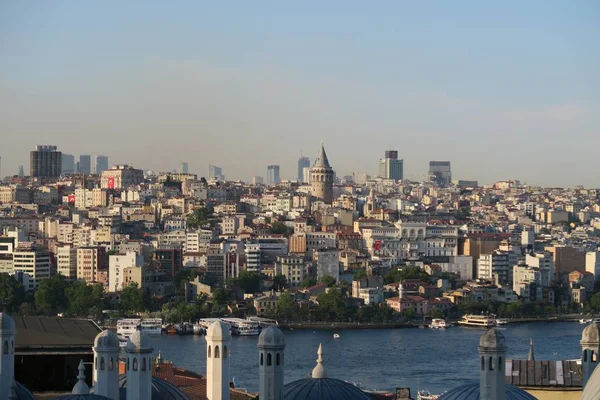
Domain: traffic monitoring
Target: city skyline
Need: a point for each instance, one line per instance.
(499, 93)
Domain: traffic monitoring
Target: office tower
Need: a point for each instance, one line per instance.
(101, 164)
(439, 172)
(306, 175)
(215, 172)
(257, 180)
(21, 171)
(390, 167)
(273, 175)
(183, 167)
(85, 164)
(45, 162)
(303, 162)
(322, 178)
(68, 164)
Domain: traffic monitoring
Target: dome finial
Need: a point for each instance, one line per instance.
(81, 387)
(531, 356)
(319, 371)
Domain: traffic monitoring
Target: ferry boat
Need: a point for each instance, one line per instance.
(184, 329)
(152, 326)
(481, 321)
(426, 395)
(501, 321)
(242, 327)
(585, 320)
(438, 323)
(263, 322)
(127, 326)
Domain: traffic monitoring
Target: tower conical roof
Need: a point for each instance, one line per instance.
(322, 161)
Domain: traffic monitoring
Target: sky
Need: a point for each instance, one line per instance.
(503, 90)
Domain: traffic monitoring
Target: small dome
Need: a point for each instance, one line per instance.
(493, 338)
(161, 390)
(7, 324)
(218, 330)
(470, 391)
(322, 389)
(591, 334)
(107, 340)
(23, 393)
(271, 337)
(138, 341)
(591, 391)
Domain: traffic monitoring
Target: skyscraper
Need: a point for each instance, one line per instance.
(440, 173)
(391, 167)
(45, 162)
(183, 168)
(101, 164)
(322, 178)
(215, 172)
(68, 164)
(303, 162)
(85, 164)
(273, 175)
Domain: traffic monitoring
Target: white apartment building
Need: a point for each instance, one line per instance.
(252, 251)
(121, 177)
(33, 262)
(293, 268)
(116, 266)
(327, 262)
(64, 232)
(592, 263)
(527, 282)
(497, 267)
(66, 261)
(88, 263)
(545, 262)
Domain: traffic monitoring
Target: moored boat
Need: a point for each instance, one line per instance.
(198, 329)
(336, 335)
(478, 321)
(426, 395)
(438, 323)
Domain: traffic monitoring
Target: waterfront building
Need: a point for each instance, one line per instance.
(322, 178)
(390, 167)
(497, 267)
(45, 162)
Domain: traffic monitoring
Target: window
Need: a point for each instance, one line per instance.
(144, 364)
(225, 351)
(5, 347)
(269, 361)
(102, 364)
(584, 355)
(209, 351)
(491, 364)
(482, 363)
(111, 364)
(135, 366)
(277, 359)
(261, 358)
(217, 352)
(500, 364)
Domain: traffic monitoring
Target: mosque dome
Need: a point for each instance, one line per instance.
(90, 396)
(7, 324)
(107, 339)
(271, 337)
(218, 329)
(591, 391)
(161, 390)
(138, 341)
(22, 392)
(591, 334)
(493, 338)
(471, 392)
(322, 389)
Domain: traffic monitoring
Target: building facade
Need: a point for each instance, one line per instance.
(273, 177)
(390, 167)
(45, 162)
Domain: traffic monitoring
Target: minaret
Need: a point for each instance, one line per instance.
(400, 291)
(590, 348)
(322, 178)
(81, 387)
(218, 338)
(271, 344)
(138, 367)
(106, 365)
(492, 347)
(531, 356)
(7, 355)
(318, 371)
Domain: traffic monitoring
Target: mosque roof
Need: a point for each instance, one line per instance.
(161, 390)
(322, 389)
(271, 337)
(23, 393)
(592, 388)
(470, 391)
(106, 339)
(37, 333)
(6, 322)
(591, 334)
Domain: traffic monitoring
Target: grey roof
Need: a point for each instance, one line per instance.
(470, 391)
(322, 161)
(532, 373)
(271, 337)
(322, 389)
(107, 340)
(23, 393)
(7, 324)
(50, 333)
(161, 390)
(591, 334)
(592, 389)
(492, 339)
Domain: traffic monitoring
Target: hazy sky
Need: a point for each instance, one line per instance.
(504, 90)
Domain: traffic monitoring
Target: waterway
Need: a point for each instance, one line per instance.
(384, 359)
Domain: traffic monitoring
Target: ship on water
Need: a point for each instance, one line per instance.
(478, 321)
(127, 326)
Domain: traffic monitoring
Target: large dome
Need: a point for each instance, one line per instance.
(471, 392)
(161, 390)
(322, 389)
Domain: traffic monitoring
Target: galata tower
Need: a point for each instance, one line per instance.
(322, 178)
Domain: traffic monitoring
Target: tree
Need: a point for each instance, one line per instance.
(83, 298)
(219, 297)
(308, 282)
(12, 293)
(280, 282)
(286, 306)
(595, 302)
(199, 217)
(408, 314)
(131, 299)
(328, 280)
(332, 306)
(50, 296)
(360, 274)
(249, 281)
(280, 228)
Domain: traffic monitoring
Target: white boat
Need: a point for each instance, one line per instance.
(122, 341)
(242, 327)
(198, 329)
(263, 322)
(438, 323)
(152, 326)
(501, 321)
(336, 335)
(426, 395)
(127, 326)
(481, 321)
(585, 321)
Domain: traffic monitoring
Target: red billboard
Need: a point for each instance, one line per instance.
(377, 245)
(111, 182)
(71, 198)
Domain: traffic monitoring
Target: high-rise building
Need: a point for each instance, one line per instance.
(322, 178)
(390, 167)
(101, 164)
(45, 162)
(21, 171)
(183, 167)
(68, 164)
(215, 172)
(303, 162)
(273, 175)
(85, 164)
(440, 173)
(257, 180)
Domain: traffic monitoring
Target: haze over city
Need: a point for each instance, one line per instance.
(503, 91)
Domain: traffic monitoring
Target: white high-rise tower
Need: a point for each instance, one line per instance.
(218, 338)
(271, 344)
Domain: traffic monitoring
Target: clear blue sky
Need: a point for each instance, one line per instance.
(504, 90)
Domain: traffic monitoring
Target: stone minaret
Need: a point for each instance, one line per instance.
(81, 387)
(138, 367)
(218, 338)
(322, 178)
(492, 347)
(271, 344)
(106, 365)
(318, 371)
(7, 355)
(531, 356)
(590, 348)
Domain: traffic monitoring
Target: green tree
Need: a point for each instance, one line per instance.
(199, 217)
(50, 296)
(328, 280)
(220, 296)
(332, 306)
(286, 306)
(595, 302)
(360, 274)
(279, 282)
(408, 314)
(12, 293)
(131, 299)
(249, 281)
(280, 228)
(308, 282)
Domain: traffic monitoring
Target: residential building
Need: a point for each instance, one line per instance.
(592, 263)
(116, 268)
(497, 267)
(45, 162)
(545, 262)
(90, 261)
(121, 177)
(293, 268)
(168, 259)
(35, 262)
(252, 251)
(566, 259)
(327, 263)
(66, 261)
(527, 282)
